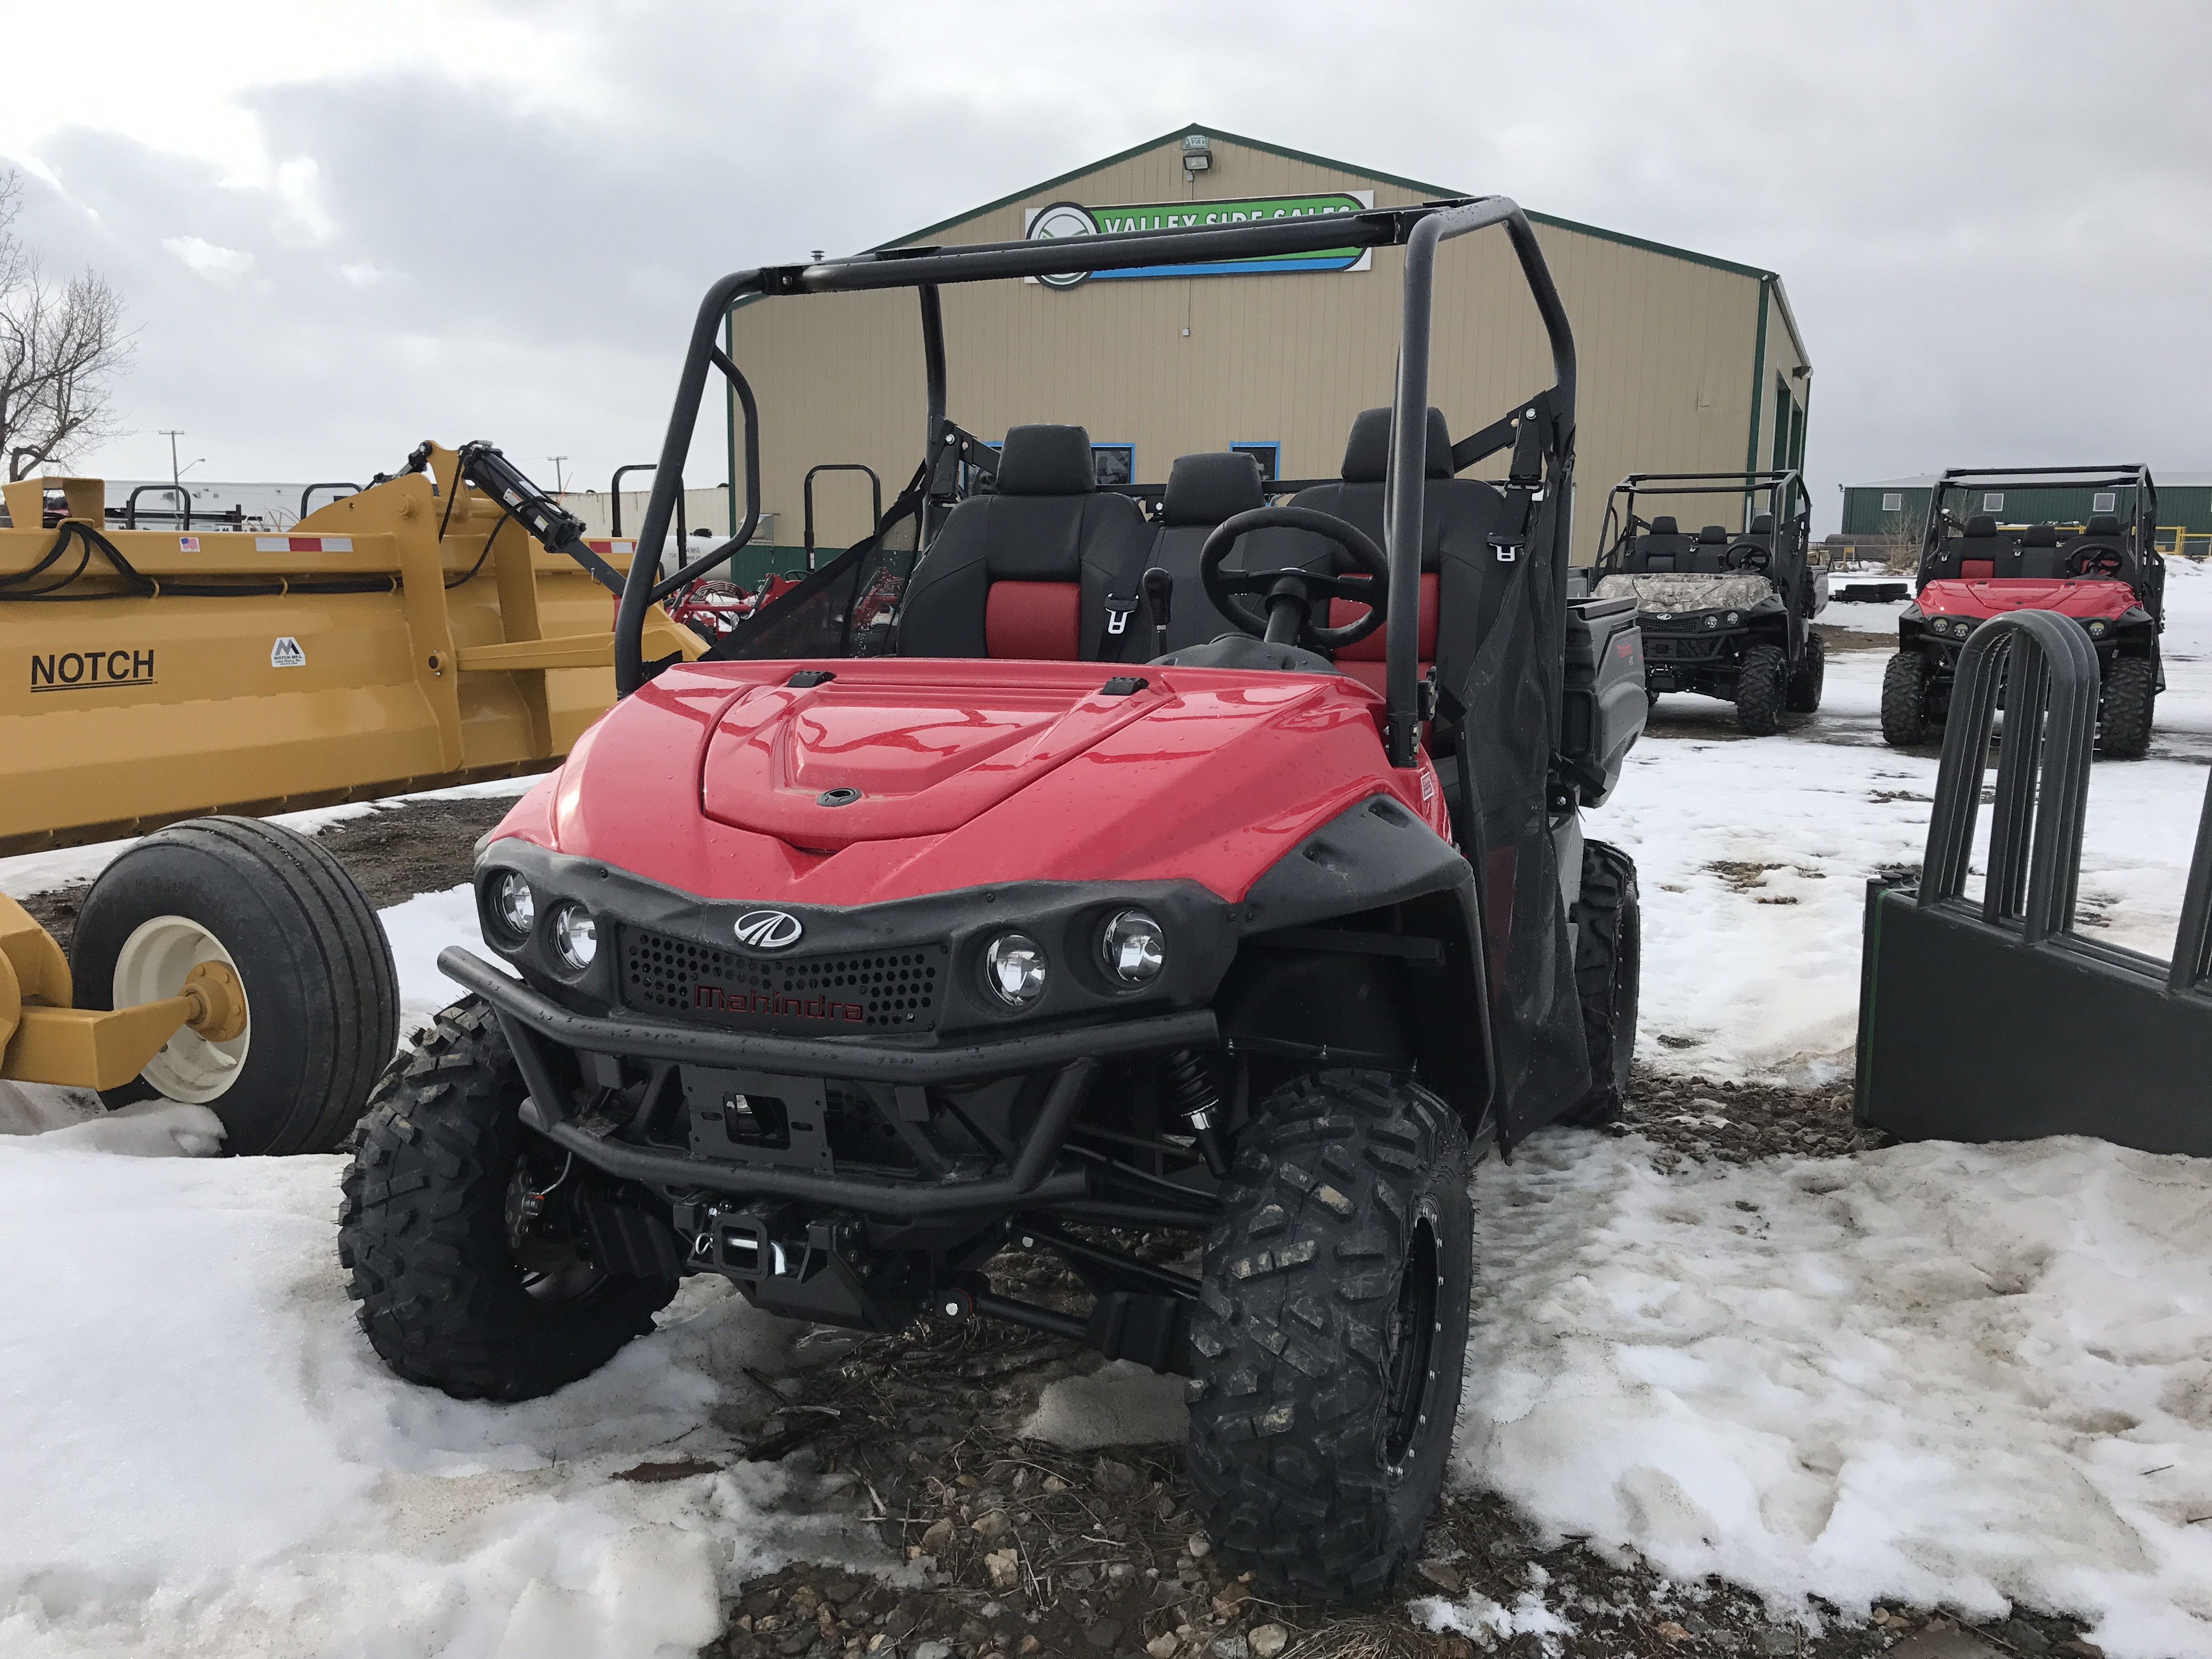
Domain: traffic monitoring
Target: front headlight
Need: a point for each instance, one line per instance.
(1134, 947)
(575, 936)
(1735, 616)
(2098, 629)
(1712, 621)
(512, 904)
(1014, 969)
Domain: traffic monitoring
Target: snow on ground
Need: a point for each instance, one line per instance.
(418, 930)
(202, 1457)
(1938, 1375)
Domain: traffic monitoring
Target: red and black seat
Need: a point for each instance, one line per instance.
(1975, 554)
(1026, 571)
(1458, 516)
(2101, 534)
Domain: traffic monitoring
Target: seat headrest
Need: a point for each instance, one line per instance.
(1205, 490)
(1367, 451)
(2040, 535)
(1663, 526)
(1712, 536)
(1045, 460)
(1763, 525)
(2103, 525)
(1980, 525)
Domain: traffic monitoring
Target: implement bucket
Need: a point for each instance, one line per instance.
(1992, 1018)
(409, 637)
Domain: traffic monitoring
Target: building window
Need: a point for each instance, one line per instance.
(1893, 502)
(1113, 463)
(1993, 502)
(1267, 452)
(2105, 501)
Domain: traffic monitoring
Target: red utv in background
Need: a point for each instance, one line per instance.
(2076, 540)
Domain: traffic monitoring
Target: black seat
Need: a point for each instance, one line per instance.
(2039, 555)
(1026, 572)
(1664, 548)
(1202, 491)
(1457, 515)
(1711, 552)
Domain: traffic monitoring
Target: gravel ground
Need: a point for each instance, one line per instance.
(1015, 1548)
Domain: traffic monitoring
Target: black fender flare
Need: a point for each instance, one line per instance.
(1378, 857)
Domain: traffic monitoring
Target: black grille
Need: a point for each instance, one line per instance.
(898, 990)
(1686, 648)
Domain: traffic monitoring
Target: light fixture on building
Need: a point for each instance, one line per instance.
(1197, 154)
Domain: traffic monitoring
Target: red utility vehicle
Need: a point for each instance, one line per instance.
(2075, 540)
(929, 916)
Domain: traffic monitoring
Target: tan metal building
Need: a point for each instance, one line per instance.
(1688, 363)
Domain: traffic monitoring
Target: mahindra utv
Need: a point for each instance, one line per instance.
(1724, 613)
(948, 907)
(2053, 538)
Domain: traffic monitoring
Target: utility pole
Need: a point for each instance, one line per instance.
(559, 489)
(176, 478)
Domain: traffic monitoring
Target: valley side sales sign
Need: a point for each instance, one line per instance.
(1073, 219)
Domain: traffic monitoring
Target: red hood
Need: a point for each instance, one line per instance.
(1957, 596)
(970, 773)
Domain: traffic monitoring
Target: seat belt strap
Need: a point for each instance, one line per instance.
(1522, 484)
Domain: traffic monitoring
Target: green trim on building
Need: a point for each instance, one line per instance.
(1758, 382)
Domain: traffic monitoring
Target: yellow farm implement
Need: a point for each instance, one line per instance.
(446, 624)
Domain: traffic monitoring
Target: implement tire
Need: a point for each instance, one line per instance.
(1608, 971)
(1330, 1334)
(1905, 722)
(2123, 716)
(1812, 674)
(424, 1228)
(1761, 689)
(275, 909)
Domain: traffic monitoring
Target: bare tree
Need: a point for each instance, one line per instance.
(1904, 531)
(61, 346)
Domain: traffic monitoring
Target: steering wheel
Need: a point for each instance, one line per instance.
(1749, 556)
(2094, 561)
(1291, 593)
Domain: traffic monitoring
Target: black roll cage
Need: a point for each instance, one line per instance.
(1418, 229)
(1784, 484)
(2141, 531)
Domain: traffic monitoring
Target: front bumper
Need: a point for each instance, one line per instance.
(534, 1024)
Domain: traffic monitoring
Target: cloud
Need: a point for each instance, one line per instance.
(207, 259)
(1993, 219)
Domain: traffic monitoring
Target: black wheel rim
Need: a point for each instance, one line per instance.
(544, 1241)
(1409, 1349)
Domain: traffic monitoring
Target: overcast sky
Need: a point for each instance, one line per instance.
(340, 230)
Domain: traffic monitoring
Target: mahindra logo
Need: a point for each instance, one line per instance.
(769, 930)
